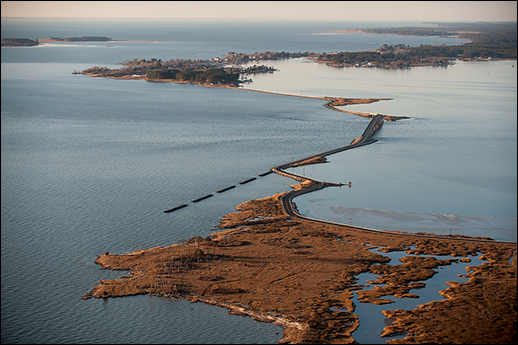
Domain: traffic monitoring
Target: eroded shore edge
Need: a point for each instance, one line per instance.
(202, 280)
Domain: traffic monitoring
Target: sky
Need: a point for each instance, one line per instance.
(439, 11)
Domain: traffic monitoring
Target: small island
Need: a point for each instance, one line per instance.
(487, 42)
(26, 42)
(19, 42)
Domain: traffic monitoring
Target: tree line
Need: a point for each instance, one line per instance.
(411, 55)
(13, 42)
(214, 75)
(488, 40)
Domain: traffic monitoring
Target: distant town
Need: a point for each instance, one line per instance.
(488, 41)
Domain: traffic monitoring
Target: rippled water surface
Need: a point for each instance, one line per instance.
(89, 164)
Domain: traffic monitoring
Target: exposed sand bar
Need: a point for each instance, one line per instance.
(333, 102)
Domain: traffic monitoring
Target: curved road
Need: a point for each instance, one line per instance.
(365, 139)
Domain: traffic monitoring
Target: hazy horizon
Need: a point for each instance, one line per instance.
(351, 11)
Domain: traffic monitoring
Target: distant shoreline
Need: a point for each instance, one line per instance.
(52, 40)
(333, 102)
(350, 31)
(26, 42)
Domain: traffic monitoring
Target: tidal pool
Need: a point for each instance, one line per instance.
(372, 320)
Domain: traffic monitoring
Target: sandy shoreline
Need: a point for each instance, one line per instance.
(332, 102)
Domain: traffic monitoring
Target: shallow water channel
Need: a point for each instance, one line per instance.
(372, 320)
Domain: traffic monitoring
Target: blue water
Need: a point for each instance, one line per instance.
(455, 156)
(89, 164)
(372, 320)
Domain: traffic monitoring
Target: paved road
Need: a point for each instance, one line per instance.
(286, 200)
(365, 139)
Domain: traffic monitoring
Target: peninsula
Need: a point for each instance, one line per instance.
(301, 274)
(488, 41)
(273, 265)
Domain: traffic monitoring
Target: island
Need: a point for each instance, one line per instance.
(488, 41)
(19, 42)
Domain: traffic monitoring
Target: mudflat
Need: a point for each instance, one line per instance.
(300, 274)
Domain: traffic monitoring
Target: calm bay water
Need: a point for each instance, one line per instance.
(455, 156)
(89, 164)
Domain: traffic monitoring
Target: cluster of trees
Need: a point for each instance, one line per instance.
(241, 58)
(143, 64)
(488, 40)
(14, 42)
(258, 69)
(152, 64)
(493, 45)
(414, 55)
(197, 239)
(214, 75)
(94, 69)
